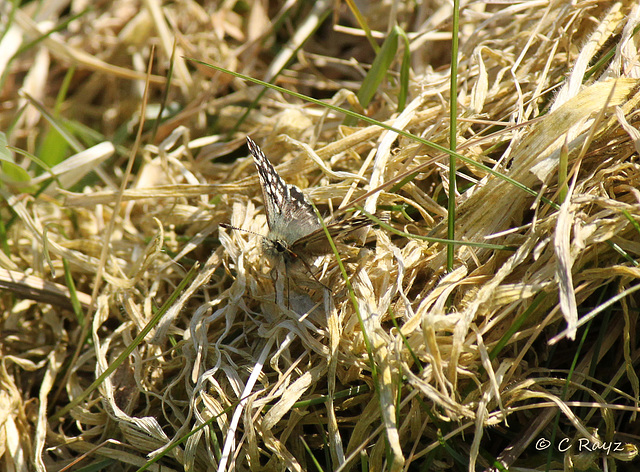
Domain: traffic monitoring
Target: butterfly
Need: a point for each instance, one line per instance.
(295, 232)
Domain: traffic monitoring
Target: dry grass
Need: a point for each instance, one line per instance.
(532, 336)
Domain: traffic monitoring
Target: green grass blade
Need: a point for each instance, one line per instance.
(377, 73)
(56, 123)
(405, 70)
(362, 22)
(453, 129)
(11, 172)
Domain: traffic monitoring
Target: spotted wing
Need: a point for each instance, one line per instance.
(316, 243)
(289, 215)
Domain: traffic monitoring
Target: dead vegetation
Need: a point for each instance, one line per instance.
(403, 364)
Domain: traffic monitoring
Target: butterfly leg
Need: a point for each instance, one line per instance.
(286, 277)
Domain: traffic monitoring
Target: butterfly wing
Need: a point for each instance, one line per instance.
(316, 243)
(289, 215)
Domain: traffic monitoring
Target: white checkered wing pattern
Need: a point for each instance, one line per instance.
(289, 215)
(294, 229)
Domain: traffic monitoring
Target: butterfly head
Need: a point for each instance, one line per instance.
(277, 248)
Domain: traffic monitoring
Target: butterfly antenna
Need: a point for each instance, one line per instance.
(227, 226)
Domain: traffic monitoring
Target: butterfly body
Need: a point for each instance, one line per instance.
(294, 229)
